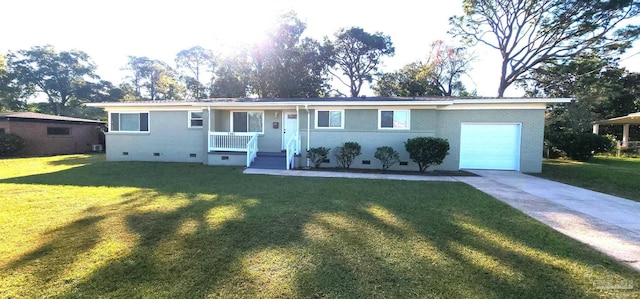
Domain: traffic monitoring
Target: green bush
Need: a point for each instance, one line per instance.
(427, 151)
(317, 155)
(580, 146)
(387, 156)
(346, 153)
(10, 144)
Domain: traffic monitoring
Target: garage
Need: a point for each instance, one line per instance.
(490, 146)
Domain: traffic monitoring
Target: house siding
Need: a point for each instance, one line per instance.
(532, 135)
(169, 140)
(38, 143)
(170, 137)
(361, 125)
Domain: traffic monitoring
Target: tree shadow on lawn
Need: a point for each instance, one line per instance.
(262, 236)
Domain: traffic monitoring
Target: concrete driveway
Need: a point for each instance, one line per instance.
(607, 223)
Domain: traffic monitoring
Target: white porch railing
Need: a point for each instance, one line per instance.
(235, 142)
(292, 149)
(229, 141)
(252, 149)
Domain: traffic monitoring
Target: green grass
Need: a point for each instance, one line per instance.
(615, 176)
(76, 226)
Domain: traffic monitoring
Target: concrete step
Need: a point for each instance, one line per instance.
(268, 160)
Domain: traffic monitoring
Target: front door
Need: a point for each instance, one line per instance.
(290, 127)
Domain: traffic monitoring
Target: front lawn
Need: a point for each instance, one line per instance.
(611, 175)
(76, 226)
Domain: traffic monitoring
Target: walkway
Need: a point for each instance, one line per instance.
(607, 223)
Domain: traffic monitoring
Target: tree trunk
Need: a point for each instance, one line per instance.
(503, 77)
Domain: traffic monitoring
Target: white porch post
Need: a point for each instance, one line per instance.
(308, 132)
(298, 129)
(596, 128)
(625, 135)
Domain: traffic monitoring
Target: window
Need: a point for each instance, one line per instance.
(195, 119)
(129, 122)
(250, 121)
(58, 131)
(1, 130)
(329, 119)
(393, 119)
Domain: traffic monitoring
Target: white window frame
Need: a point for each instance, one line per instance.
(247, 111)
(130, 112)
(408, 111)
(190, 118)
(330, 110)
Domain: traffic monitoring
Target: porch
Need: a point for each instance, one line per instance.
(239, 148)
(626, 122)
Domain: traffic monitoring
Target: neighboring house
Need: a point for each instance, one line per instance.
(46, 134)
(625, 121)
(484, 133)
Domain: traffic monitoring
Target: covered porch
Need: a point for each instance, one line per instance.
(253, 138)
(626, 122)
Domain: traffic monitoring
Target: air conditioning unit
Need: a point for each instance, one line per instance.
(96, 147)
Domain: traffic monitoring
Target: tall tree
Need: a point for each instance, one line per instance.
(153, 79)
(358, 54)
(287, 65)
(232, 77)
(60, 76)
(529, 33)
(11, 91)
(196, 66)
(438, 76)
(413, 80)
(445, 65)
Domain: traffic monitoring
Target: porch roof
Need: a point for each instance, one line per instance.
(633, 118)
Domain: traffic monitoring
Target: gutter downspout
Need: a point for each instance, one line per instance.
(306, 107)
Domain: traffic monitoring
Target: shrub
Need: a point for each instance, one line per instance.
(427, 151)
(346, 153)
(317, 155)
(387, 156)
(580, 146)
(10, 144)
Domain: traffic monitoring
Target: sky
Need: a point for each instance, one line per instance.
(110, 31)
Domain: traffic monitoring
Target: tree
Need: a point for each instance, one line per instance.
(438, 76)
(232, 77)
(153, 79)
(602, 90)
(530, 33)
(11, 91)
(358, 55)
(413, 80)
(445, 65)
(196, 64)
(61, 76)
(287, 65)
